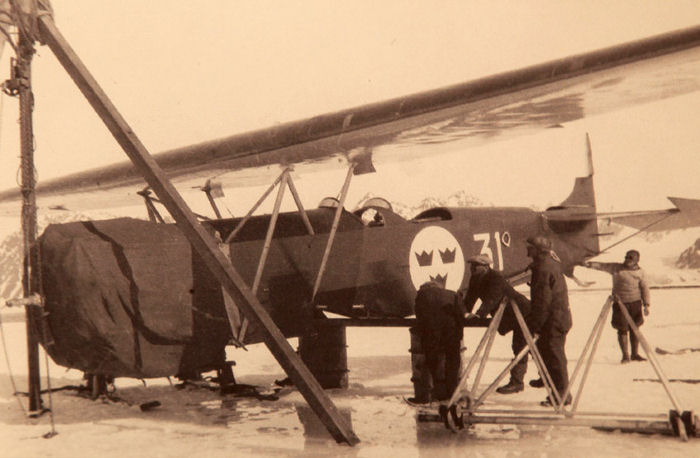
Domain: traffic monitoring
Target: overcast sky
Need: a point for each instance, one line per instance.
(183, 72)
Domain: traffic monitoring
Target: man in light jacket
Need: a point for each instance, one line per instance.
(631, 289)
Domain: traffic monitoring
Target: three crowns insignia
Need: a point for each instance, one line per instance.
(426, 259)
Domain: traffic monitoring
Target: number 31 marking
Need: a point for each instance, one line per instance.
(485, 239)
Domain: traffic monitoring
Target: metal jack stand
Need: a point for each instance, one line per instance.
(680, 422)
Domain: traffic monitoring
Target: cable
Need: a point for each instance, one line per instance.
(53, 432)
(9, 369)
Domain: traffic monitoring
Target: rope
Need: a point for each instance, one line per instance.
(50, 393)
(27, 21)
(2, 106)
(9, 369)
(638, 232)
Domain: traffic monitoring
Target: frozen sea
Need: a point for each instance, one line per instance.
(198, 422)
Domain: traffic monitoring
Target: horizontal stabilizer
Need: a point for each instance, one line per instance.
(686, 214)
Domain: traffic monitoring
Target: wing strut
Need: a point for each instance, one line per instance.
(153, 213)
(284, 179)
(266, 246)
(203, 242)
(334, 229)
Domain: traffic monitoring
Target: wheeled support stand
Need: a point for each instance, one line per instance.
(680, 423)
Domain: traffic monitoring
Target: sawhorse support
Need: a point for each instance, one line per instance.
(680, 422)
(486, 344)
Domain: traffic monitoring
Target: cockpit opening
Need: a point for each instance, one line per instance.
(379, 202)
(329, 202)
(433, 214)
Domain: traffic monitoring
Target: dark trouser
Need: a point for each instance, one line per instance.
(551, 346)
(517, 373)
(444, 383)
(619, 321)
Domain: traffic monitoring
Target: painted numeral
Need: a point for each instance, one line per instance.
(485, 239)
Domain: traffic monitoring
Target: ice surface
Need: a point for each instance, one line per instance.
(198, 422)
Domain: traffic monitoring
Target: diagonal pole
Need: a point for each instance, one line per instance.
(255, 207)
(487, 392)
(539, 362)
(300, 206)
(334, 229)
(266, 246)
(652, 357)
(201, 240)
(487, 349)
(493, 325)
(593, 340)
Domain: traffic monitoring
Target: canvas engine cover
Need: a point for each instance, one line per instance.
(129, 298)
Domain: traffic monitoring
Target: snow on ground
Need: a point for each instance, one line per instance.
(197, 422)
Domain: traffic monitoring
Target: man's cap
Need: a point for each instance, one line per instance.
(480, 259)
(540, 242)
(630, 253)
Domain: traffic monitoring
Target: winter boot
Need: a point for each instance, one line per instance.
(623, 340)
(634, 342)
(510, 388)
(548, 402)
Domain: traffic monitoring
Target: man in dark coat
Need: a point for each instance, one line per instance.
(490, 286)
(440, 324)
(550, 316)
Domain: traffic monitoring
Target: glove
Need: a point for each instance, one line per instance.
(646, 309)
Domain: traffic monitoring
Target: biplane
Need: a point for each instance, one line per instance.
(135, 298)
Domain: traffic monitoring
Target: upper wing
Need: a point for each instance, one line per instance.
(458, 116)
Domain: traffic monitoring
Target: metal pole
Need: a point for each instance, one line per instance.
(29, 218)
(266, 247)
(594, 332)
(334, 228)
(472, 361)
(254, 207)
(651, 356)
(212, 202)
(300, 206)
(500, 377)
(201, 240)
(487, 352)
(600, 323)
(539, 362)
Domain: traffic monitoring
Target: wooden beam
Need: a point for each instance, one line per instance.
(201, 240)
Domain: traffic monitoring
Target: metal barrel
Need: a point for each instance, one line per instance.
(324, 351)
(420, 375)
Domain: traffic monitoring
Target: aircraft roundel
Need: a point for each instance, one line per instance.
(436, 254)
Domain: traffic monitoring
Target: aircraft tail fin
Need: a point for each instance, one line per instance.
(583, 194)
(574, 220)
